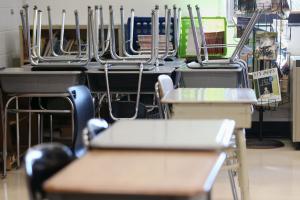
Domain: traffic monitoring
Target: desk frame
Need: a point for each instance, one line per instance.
(189, 111)
(238, 108)
(30, 111)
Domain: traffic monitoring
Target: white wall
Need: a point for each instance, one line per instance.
(142, 7)
(9, 32)
(293, 44)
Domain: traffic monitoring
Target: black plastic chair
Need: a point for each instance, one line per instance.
(83, 111)
(43, 161)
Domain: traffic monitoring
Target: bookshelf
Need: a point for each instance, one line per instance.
(69, 43)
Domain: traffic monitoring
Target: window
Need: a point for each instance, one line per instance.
(295, 5)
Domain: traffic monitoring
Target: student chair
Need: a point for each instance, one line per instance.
(43, 161)
(94, 127)
(162, 88)
(83, 111)
(166, 84)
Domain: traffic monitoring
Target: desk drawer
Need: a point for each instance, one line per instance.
(240, 113)
(211, 79)
(39, 83)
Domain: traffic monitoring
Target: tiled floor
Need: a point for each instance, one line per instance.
(274, 175)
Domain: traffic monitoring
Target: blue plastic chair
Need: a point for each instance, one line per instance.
(83, 111)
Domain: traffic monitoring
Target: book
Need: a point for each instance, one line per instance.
(242, 23)
(267, 5)
(266, 86)
(266, 47)
(247, 5)
(212, 37)
(145, 42)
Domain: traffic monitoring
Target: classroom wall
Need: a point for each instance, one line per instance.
(293, 44)
(142, 7)
(9, 32)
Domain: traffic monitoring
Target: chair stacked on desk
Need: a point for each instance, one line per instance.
(142, 63)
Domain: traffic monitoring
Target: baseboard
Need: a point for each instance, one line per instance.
(272, 129)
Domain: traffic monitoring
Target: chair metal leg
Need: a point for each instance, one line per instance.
(232, 184)
(109, 95)
(101, 98)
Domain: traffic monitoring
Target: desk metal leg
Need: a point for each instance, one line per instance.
(18, 132)
(243, 167)
(208, 197)
(29, 124)
(42, 128)
(40, 125)
(5, 136)
(51, 128)
(4, 143)
(72, 119)
(39, 128)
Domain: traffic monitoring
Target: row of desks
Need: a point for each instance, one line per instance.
(165, 169)
(24, 80)
(172, 159)
(147, 159)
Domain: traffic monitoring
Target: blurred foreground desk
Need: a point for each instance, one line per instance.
(218, 103)
(147, 159)
(137, 174)
(201, 135)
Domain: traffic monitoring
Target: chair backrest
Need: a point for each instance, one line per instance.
(94, 127)
(83, 112)
(165, 85)
(43, 161)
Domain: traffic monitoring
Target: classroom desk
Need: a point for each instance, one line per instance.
(218, 103)
(167, 134)
(21, 82)
(130, 174)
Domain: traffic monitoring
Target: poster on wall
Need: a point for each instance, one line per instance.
(266, 86)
